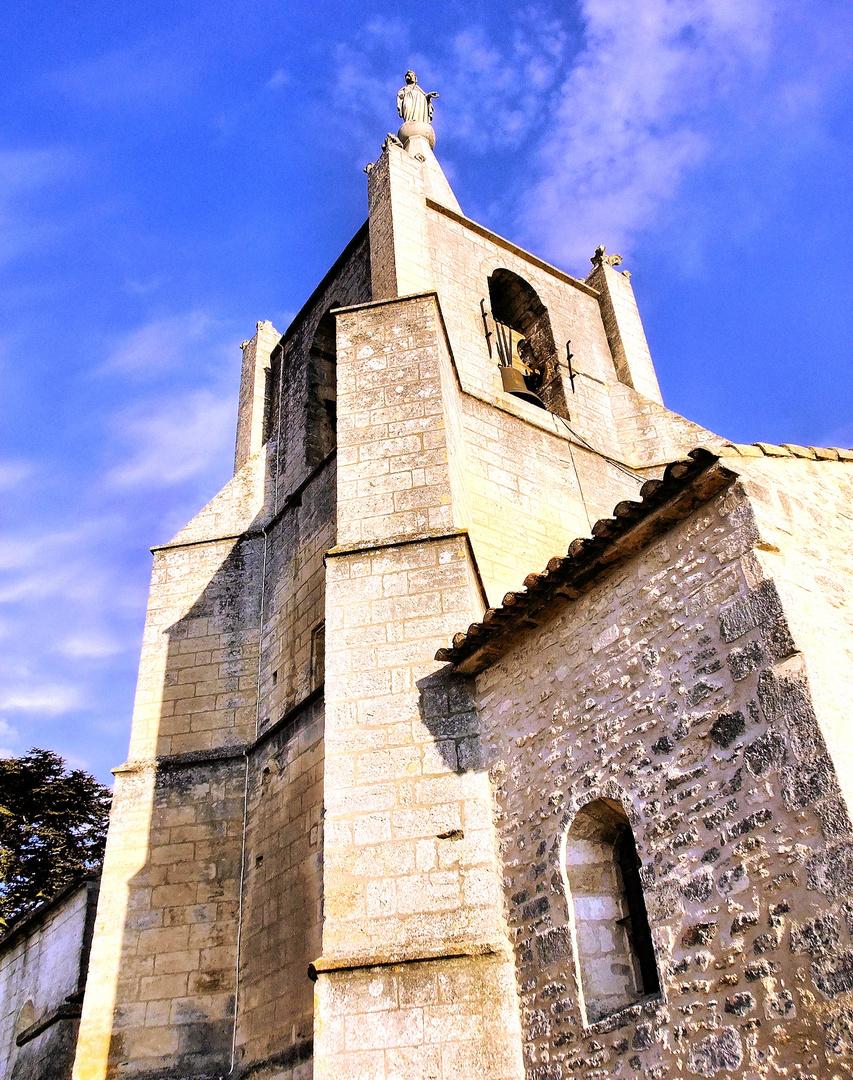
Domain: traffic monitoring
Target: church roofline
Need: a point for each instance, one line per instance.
(323, 284)
(501, 241)
(663, 503)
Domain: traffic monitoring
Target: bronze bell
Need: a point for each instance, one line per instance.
(513, 383)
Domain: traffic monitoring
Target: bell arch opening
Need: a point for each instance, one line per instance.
(614, 953)
(524, 341)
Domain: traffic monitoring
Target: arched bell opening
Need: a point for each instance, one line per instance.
(521, 336)
(614, 951)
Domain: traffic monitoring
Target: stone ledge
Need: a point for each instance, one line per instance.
(404, 956)
(70, 1010)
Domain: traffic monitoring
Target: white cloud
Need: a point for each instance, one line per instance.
(491, 96)
(659, 89)
(57, 564)
(168, 344)
(90, 645)
(9, 735)
(22, 173)
(13, 473)
(610, 114)
(141, 74)
(44, 700)
(174, 441)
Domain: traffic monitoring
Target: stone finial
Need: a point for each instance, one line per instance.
(600, 257)
(415, 109)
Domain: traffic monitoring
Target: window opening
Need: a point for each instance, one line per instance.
(323, 385)
(271, 391)
(614, 951)
(518, 334)
(318, 655)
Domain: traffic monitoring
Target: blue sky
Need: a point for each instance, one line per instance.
(171, 173)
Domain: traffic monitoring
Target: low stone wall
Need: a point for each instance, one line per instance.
(43, 964)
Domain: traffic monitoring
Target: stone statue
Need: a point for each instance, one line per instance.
(601, 256)
(413, 105)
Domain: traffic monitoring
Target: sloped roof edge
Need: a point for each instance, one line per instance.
(685, 485)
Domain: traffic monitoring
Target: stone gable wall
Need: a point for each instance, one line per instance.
(675, 688)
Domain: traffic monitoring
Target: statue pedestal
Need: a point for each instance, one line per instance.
(414, 134)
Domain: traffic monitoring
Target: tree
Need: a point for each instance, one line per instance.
(53, 828)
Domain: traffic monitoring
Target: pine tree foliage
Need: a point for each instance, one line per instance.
(53, 827)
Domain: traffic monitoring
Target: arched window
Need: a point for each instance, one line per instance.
(272, 390)
(322, 388)
(614, 952)
(26, 1018)
(524, 343)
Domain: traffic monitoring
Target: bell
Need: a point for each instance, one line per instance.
(513, 383)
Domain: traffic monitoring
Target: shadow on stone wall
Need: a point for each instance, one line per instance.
(449, 713)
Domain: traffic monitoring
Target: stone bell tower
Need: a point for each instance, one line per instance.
(302, 877)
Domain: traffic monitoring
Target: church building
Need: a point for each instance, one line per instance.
(493, 721)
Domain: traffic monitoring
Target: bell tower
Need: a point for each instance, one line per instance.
(302, 876)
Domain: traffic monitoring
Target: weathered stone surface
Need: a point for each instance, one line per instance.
(728, 727)
(307, 785)
(719, 1052)
(43, 962)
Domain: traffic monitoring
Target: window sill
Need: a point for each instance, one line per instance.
(646, 1006)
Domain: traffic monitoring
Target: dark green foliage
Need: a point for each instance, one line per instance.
(53, 827)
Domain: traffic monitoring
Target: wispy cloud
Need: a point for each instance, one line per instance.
(90, 645)
(170, 343)
(9, 737)
(612, 104)
(279, 79)
(629, 120)
(14, 472)
(491, 95)
(172, 442)
(42, 700)
(24, 173)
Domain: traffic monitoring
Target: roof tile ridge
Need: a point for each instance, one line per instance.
(653, 494)
(786, 450)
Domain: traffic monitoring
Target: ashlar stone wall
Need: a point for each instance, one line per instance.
(678, 688)
(201, 951)
(43, 964)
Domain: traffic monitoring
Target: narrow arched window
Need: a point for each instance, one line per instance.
(26, 1018)
(322, 384)
(522, 338)
(614, 953)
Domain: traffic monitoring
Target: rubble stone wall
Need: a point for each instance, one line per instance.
(674, 687)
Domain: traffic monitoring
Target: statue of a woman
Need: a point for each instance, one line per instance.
(413, 105)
